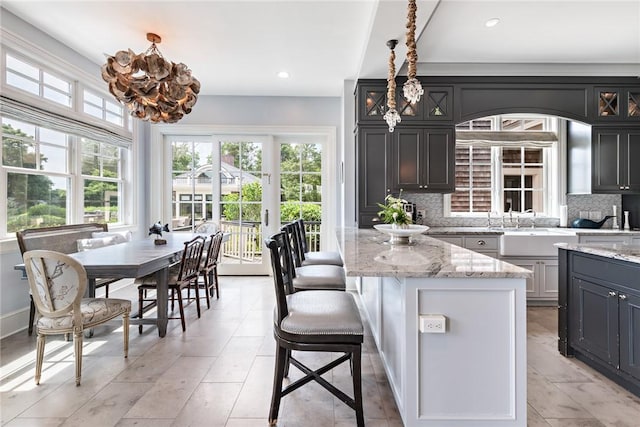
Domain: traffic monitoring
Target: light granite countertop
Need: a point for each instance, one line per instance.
(366, 253)
(498, 231)
(629, 253)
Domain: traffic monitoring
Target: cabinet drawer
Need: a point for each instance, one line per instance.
(481, 243)
(458, 241)
(608, 270)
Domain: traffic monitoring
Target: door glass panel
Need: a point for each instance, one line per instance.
(301, 187)
(241, 200)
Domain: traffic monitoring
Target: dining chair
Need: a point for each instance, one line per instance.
(307, 277)
(181, 276)
(58, 283)
(315, 321)
(308, 257)
(209, 267)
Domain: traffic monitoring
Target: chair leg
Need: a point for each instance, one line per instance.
(287, 363)
(39, 356)
(197, 289)
(77, 352)
(278, 375)
(32, 315)
(206, 289)
(125, 333)
(106, 291)
(180, 306)
(215, 281)
(140, 306)
(357, 385)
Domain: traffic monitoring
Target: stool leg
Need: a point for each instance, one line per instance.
(276, 395)
(141, 294)
(287, 363)
(357, 386)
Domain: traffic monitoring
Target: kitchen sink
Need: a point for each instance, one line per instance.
(534, 241)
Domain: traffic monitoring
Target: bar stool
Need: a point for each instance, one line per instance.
(314, 257)
(308, 277)
(321, 321)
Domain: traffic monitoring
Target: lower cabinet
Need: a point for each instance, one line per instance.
(543, 286)
(488, 244)
(603, 315)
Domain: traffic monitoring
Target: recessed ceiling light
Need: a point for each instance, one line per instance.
(492, 22)
(283, 75)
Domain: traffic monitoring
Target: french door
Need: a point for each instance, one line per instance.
(247, 186)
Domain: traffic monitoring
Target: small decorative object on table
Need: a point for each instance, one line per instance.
(397, 221)
(157, 229)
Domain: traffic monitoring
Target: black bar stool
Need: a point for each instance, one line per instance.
(326, 321)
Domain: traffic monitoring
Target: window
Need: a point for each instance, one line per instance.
(103, 108)
(57, 165)
(36, 81)
(505, 163)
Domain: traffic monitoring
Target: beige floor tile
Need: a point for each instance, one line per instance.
(589, 422)
(255, 396)
(534, 419)
(209, 405)
(247, 422)
(172, 390)
(147, 422)
(549, 401)
(107, 406)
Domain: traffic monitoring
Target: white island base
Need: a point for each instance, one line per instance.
(473, 374)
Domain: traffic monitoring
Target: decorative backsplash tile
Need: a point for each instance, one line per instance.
(593, 203)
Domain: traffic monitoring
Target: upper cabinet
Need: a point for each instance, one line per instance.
(372, 151)
(614, 152)
(436, 104)
(423, 159)
(617, 104)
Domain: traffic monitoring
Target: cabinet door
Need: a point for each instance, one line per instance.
(606, 150)
(406, 160)
(631, 161)
(371, 103)
(609, 103)
(439, 159)
(630, 333)
(593, 312)
(439, 103)
(532, 283)
(548, 279)
(373, 149)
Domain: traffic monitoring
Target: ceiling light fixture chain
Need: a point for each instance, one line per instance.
(392, 117)
(151, 87)
(412, 88)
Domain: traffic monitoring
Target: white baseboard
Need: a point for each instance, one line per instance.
(14, 322)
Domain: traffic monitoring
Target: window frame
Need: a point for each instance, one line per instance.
(553, 180)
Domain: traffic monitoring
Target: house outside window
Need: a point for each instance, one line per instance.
(505, 164)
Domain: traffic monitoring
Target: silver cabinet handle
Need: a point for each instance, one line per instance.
(612, 294)
(626, 187)
(481, 243)
(266, 217)
(623, 297)
(622, 187)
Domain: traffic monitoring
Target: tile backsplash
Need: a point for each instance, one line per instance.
(594, 203)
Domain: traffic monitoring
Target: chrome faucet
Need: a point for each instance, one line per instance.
(533, 219)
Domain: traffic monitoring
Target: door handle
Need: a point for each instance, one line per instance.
(266, 217)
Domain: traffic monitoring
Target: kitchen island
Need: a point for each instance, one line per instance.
(599, 309)
(450, 326)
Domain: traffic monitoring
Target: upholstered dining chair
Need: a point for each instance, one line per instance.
(58, 283)
(181, 276)
(308, 257)
(209, 267)
(307, 277)
(317, 321)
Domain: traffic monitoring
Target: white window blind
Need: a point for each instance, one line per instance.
(30, 114)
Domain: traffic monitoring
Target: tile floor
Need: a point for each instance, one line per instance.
(219, 373)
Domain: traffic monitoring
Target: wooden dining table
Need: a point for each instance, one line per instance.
(133, 259)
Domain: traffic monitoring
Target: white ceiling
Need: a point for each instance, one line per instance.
(237, 47)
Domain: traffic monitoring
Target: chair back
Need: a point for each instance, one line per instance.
(302, 234)
(191, 256)
(57, 283)
(214, 250)
(294, 243)
(277, 245)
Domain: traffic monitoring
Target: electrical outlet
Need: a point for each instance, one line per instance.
(421, 212)
(433, 323)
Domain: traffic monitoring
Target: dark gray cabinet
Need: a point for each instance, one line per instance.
(373, 148)
(614, 154)
(599, 314)
(617, 104)
(423, 160)
(595, 320)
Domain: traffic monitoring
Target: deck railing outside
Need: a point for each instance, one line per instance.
(245, 240)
